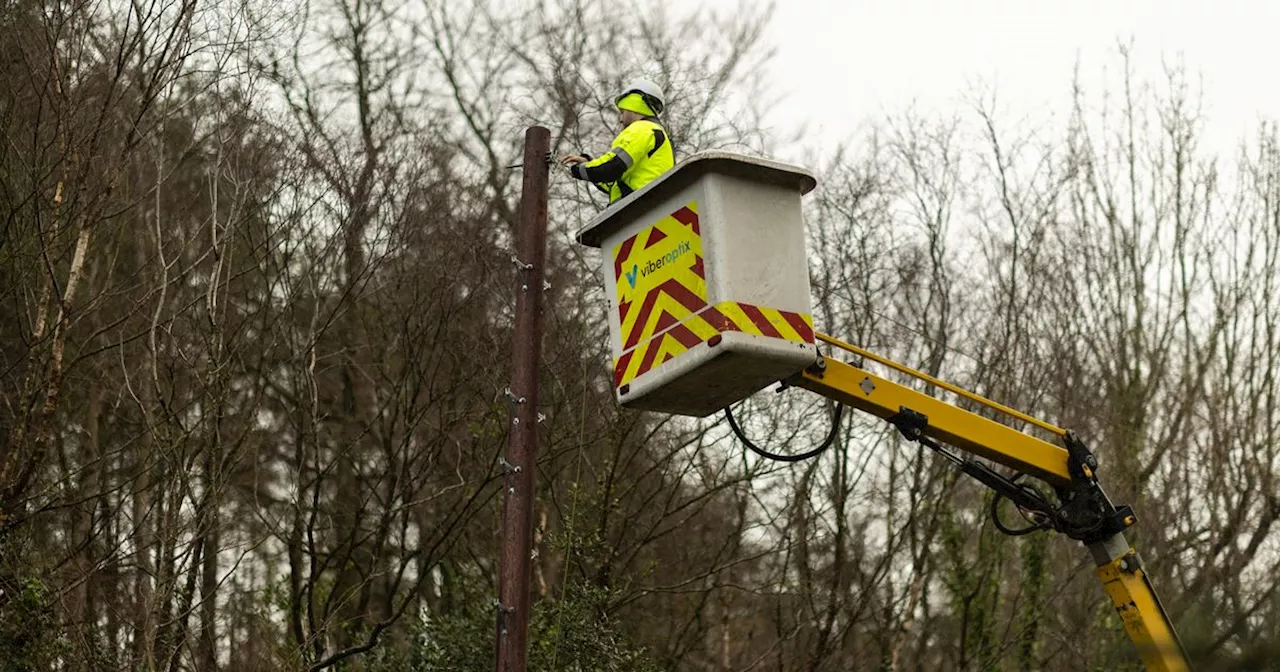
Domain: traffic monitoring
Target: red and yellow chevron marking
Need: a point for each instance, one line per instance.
(659, 276)
(677, 338)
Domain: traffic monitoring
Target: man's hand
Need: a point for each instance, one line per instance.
(570, 159)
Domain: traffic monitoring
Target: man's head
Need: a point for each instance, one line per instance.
(640, 99)
(628, 117)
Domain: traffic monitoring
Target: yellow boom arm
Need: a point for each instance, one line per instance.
(1084, 512)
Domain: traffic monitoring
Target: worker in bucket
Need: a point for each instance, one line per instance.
(640, 153)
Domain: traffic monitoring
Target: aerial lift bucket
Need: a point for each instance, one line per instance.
(708, 283)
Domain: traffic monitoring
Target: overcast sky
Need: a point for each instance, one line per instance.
(842, 62)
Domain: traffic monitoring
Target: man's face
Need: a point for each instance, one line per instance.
(627, 117)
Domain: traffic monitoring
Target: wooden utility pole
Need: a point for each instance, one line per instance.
(520, 464)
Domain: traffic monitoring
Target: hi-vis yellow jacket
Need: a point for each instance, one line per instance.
(640, 153)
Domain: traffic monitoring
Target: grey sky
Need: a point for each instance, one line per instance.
(841, 62)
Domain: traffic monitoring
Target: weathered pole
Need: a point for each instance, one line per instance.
(520, 464)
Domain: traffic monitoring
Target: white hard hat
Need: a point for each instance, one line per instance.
(652, 94)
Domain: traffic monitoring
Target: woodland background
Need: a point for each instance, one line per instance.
(256, 294)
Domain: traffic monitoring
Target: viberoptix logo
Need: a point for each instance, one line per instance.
(666, 259)
(653, 265)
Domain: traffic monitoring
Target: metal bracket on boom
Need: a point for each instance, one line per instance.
(1087, 513)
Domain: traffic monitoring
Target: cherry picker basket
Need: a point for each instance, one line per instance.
(708, 283)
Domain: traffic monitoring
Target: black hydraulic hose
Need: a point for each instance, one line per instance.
(831, 438)
(1015, 532)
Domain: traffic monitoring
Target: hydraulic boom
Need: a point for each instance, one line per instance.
(1082, 510)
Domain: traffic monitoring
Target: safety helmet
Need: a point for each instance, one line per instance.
(649, 92)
